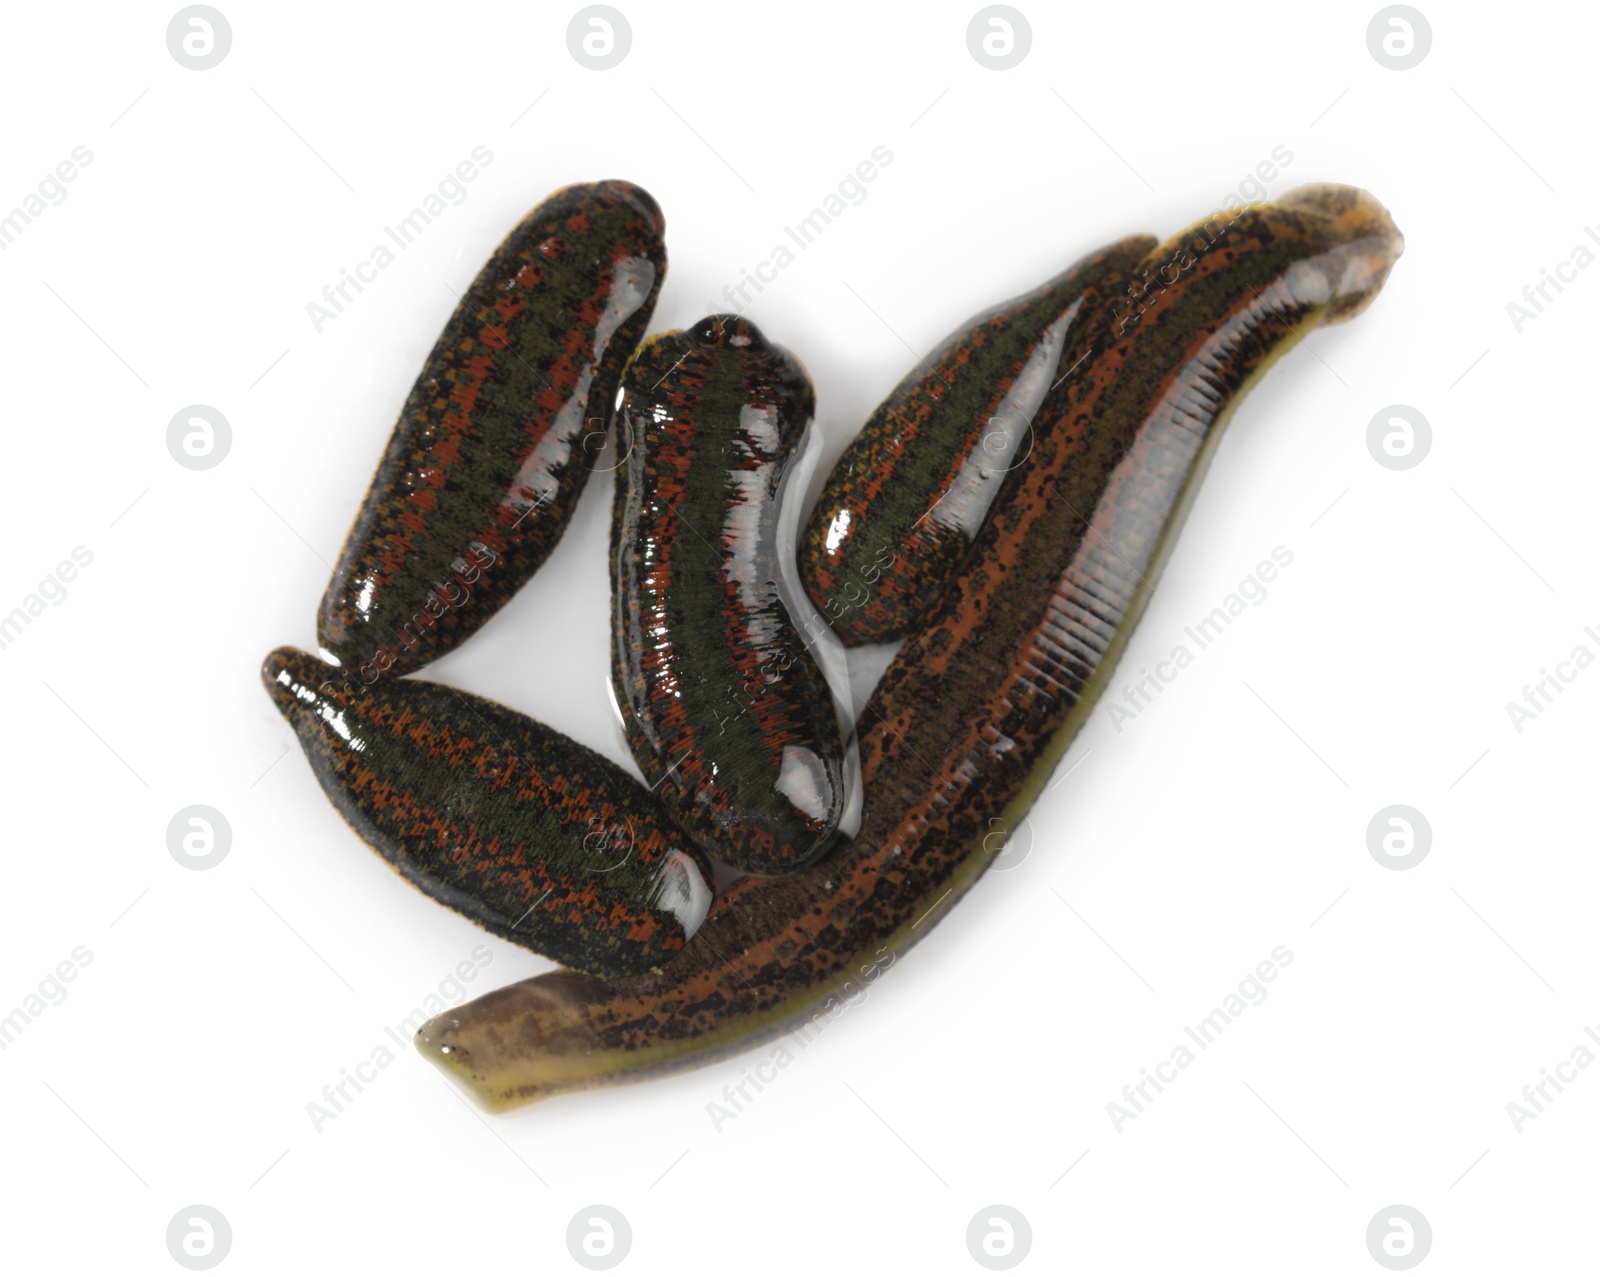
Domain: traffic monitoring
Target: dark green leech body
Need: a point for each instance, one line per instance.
(905, 501)
(493, 446)
(972, 716)
(529, 834)
(724, 707)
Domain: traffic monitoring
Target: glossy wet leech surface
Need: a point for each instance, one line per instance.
(526, 832)
(907, 498)
(499, 434)
(725, 709)
(975, 711)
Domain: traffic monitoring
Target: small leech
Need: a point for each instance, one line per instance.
(498, 436)
(909, 495)
(531, 835)
(723, 705)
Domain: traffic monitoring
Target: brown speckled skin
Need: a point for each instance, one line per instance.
(531, 835)
(500, 431)
(972, 715)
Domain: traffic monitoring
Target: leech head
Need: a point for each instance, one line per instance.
(306, 694)
(1366, 244)
(641, 200)
(525, 1042)
(728, 330)
(291, 679)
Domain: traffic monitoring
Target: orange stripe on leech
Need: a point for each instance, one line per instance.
(644, 928)
(469, 379)
(506, 307)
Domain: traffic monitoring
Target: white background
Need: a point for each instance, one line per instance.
(1228, 819)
